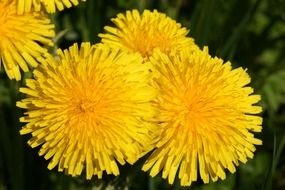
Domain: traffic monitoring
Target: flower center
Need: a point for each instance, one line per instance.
(145, 40)
(86, 101)
(86, 106)
(4, 11)
(193, 110)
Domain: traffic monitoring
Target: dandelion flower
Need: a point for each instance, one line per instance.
(21, 39)
(206, 118)
(89, 109)
(50, 6)
(144, 33)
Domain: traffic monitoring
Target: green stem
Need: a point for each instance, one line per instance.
(276, 154)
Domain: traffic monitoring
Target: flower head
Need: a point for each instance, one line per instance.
(206, 117)
(49, 5)
(21, 39)
(146, 32)
(89, 108)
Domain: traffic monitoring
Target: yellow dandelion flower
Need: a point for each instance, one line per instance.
(206, 118)
(21, 39)
(144, 33)
(50, 6)
(89, 108)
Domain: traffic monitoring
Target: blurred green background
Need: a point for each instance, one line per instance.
(249, 33)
